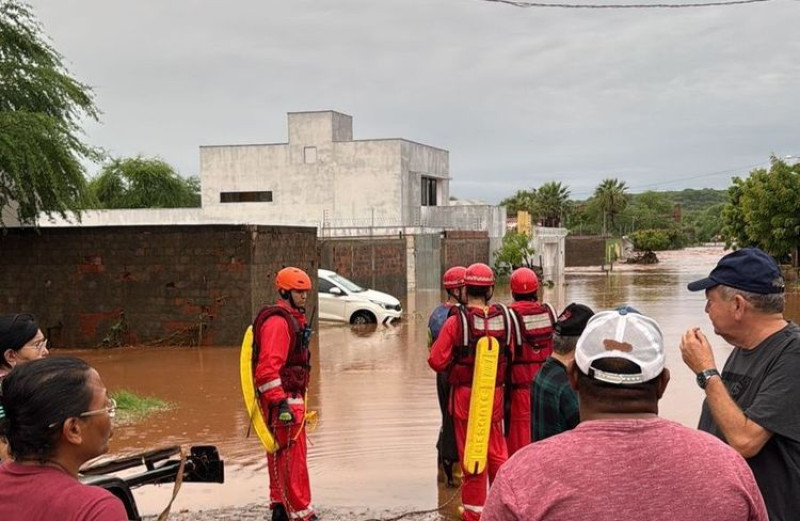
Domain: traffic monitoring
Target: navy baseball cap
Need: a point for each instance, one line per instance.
(748, 269)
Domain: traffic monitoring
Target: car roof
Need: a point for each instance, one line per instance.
(325, 273)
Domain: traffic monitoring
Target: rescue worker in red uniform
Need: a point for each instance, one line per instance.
(533, 327)
(281, 378)
(447, 451)
(454, 351)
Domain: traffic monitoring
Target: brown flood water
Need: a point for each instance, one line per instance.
(374, 444)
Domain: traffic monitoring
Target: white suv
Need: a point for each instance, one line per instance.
(345, 301)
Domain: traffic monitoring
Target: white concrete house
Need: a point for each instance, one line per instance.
(323, 177)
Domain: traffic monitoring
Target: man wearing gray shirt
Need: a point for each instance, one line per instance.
(754, 405)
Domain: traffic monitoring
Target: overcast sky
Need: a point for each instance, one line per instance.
(663, 99)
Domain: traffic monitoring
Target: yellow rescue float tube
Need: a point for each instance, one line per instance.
(481, 404)
(246, 372)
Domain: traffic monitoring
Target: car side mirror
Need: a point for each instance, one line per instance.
(335, 291)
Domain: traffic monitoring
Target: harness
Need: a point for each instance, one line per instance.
(296, 372)
(493, 321)
(532, 329)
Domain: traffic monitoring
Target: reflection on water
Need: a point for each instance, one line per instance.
(374, 445)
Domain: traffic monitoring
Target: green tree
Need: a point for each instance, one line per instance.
(706, 225)
(764, 210)
(42, 153)
(141, 182)
(552, 204)
(650, 240)
(611, 198)
(523, 200)
(648, 210)
(515, 252)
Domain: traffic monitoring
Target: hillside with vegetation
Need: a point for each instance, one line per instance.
(761, 210)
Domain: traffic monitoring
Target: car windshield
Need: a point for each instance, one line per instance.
(349, 285)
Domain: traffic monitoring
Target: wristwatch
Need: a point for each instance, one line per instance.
(704, 376)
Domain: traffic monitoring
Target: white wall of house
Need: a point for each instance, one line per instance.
(322, 175)
(9, 214)
(548, 245)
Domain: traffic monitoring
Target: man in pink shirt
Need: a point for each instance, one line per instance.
(623, 462)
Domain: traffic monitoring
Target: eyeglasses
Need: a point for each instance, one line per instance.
(111, 409)
(38, 346)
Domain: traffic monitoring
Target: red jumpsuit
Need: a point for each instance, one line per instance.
(533, 338)
(444, 356)
(282, 374)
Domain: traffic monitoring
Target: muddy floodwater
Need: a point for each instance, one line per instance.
(373, 447)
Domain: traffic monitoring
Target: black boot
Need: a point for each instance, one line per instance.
(279, 513)
(447, 466)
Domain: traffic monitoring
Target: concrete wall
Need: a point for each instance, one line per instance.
(427, 262)
(378, 263)
(486, 218)
(309, 128)
(8, 215)
(133, 217)
(549, 248)
(322, 175)
(417, 161)
(584, 250)
(142, 284)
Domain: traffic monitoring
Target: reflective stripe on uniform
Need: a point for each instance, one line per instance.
(474, 508)
(302, 513)
(539, 321)
(272, 384)
(294, 401)
(492, 324)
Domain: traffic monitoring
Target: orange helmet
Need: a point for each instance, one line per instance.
(524, 281)
(292, 278)
(479, 274)
(454, 277)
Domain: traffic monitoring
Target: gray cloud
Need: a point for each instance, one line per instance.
(518, 96)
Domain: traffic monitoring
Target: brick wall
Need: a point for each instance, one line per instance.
(147, 284)
(464, 248)
(584, 250)
(374, 263)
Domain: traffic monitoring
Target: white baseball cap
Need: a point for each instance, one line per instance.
(621, 333)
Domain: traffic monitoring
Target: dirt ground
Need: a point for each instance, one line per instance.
(261, 513)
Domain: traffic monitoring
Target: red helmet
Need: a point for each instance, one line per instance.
(454, 277)
(479, 274)
(292, 278)
(524, 281)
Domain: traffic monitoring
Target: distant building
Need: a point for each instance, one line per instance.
(347, 189)
(322, 176)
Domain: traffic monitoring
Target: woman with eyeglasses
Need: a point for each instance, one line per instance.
(21, 340)
(57, 416)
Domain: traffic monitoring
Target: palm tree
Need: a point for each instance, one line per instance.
(552, 203)
(611, 198)
(523, 200)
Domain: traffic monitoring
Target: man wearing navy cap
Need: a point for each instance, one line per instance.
(754, 405)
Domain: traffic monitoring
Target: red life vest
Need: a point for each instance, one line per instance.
(532, 327)
(296, 372)
(475, 323)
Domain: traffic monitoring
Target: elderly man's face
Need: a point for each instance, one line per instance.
(720, 311)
